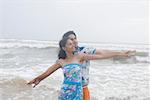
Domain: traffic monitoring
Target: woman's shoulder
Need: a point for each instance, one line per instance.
(60, 62)
(80, 56)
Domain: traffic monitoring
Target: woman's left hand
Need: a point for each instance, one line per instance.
(128, 53)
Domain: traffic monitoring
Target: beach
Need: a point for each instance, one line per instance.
(111, 79)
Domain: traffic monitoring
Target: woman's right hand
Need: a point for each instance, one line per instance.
(128, 53)
(35, 81)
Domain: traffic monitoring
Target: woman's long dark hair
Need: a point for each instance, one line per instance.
(62, 53)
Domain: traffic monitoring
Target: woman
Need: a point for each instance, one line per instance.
(71, 66)
(86, 64)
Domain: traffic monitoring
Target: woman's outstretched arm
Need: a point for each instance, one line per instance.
(106, 55)
(48, 72)
(103, 51)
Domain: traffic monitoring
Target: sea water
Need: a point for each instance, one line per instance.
(110, 79)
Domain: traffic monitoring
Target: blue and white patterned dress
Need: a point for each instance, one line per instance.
(72, 85)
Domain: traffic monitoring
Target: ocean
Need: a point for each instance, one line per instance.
(110, 79)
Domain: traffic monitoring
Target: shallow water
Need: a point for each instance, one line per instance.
(111, 79)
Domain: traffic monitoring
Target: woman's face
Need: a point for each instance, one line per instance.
(70, 47)
(74, 39)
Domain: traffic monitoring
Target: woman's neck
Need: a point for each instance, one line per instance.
(69, 55)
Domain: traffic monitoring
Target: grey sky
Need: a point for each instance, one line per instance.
(116, 21)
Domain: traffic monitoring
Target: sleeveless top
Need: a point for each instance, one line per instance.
(72, 85)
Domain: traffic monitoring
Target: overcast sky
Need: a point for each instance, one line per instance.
(116, 21)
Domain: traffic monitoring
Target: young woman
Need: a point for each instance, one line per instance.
(71, 65)
(86, 63)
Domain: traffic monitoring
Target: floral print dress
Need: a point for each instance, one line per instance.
(72, 86)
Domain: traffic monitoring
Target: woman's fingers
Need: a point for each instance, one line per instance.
(34, 82)
(34, 85)
(130, 53)
(126, 52)
(31, 82)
